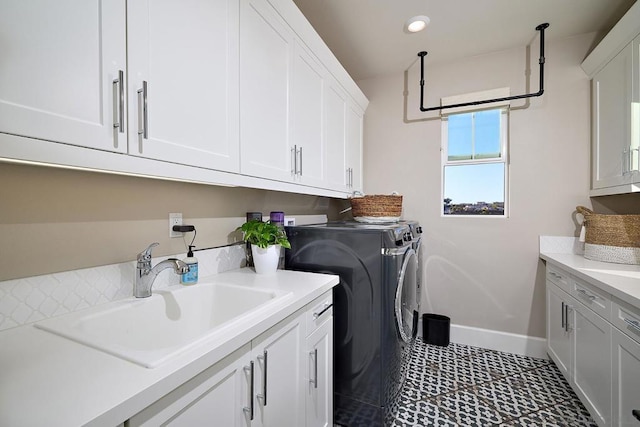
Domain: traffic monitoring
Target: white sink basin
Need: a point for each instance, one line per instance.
(149, 331)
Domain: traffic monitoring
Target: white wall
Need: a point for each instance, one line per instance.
(485, 272)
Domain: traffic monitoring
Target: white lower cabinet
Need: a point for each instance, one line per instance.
(559, 339)
(594, 340)
(591, 371)
(265, 383)
(319, 384)
(626, 380)
(278, 361)
(216, 396)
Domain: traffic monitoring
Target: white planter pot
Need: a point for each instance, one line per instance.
(266, 260)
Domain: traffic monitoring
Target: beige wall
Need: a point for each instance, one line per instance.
(55, 220)
(485, 272)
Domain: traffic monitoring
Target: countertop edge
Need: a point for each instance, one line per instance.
(626, 289)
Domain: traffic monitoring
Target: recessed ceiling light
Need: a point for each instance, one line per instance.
(417, 23)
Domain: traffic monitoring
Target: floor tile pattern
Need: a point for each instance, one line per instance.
(461, 385)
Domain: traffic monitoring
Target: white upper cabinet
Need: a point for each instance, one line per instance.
(307, 90)
(336, 134)
(611, 122)
(60, 71)
(343, 127)
(354, 147)
(230, 92)
(614, 66)
(183, 82)
(266, 51)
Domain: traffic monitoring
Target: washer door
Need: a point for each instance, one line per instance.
(406, 297)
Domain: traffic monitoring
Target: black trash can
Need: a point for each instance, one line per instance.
(435, 329)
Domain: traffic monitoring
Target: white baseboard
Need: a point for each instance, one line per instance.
(496, 340)
(500, 341)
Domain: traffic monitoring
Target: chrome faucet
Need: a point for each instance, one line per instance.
(145, 275)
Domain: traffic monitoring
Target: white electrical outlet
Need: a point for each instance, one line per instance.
(289, 221)
(175, 219)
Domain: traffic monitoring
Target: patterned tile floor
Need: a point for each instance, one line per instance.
(460, 385)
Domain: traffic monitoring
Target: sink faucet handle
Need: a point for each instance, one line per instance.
(146, 254)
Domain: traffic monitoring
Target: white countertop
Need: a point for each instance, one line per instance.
(620, 280)
(47, 380)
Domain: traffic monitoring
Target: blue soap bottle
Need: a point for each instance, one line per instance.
(191, 276)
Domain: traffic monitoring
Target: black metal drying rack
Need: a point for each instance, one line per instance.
(541, 61)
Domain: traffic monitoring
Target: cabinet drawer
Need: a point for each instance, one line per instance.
(592, 297)
(559, 277)
(626, 318)
(319, 312)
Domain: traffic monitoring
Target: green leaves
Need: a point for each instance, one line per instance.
(263, 234)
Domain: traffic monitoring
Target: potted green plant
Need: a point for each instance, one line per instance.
(266, 239)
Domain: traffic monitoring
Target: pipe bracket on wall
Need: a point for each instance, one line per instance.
(541, 62)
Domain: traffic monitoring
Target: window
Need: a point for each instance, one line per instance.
(474, 163)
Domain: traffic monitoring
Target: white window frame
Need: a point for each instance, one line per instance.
(504, 158)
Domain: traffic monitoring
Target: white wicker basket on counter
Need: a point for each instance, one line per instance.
(611, 238)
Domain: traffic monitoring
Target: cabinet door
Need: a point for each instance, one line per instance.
(635, 113)
(319, 384)
(592, 362)
(336, 134)
(307, 89)
(626, 380)
(217, 396)
(278, 398)
(59, 78)
(354, 147)
(611, 133)
(559, 340)
(266, 50)
(183, 82)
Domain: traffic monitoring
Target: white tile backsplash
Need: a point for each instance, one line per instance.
(36, 298)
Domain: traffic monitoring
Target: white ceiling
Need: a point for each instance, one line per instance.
(368, 38)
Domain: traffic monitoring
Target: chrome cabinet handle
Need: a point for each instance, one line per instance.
(300, 171)
(633, 324)
(567, 307)
(249, 409)
(143, 113)
(632, 167)
(314, 381)
(326, 307)
(626, 161)
(586, 294)
(294, 161)
(556, 275)
(118, 104)
(563, 313)
(263, 395)
(349, 177)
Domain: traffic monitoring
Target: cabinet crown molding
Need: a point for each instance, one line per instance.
(620, 35)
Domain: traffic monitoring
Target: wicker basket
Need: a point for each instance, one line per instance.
(377, 207)
(611, 238)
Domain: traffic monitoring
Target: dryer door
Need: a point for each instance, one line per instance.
(406, 302)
